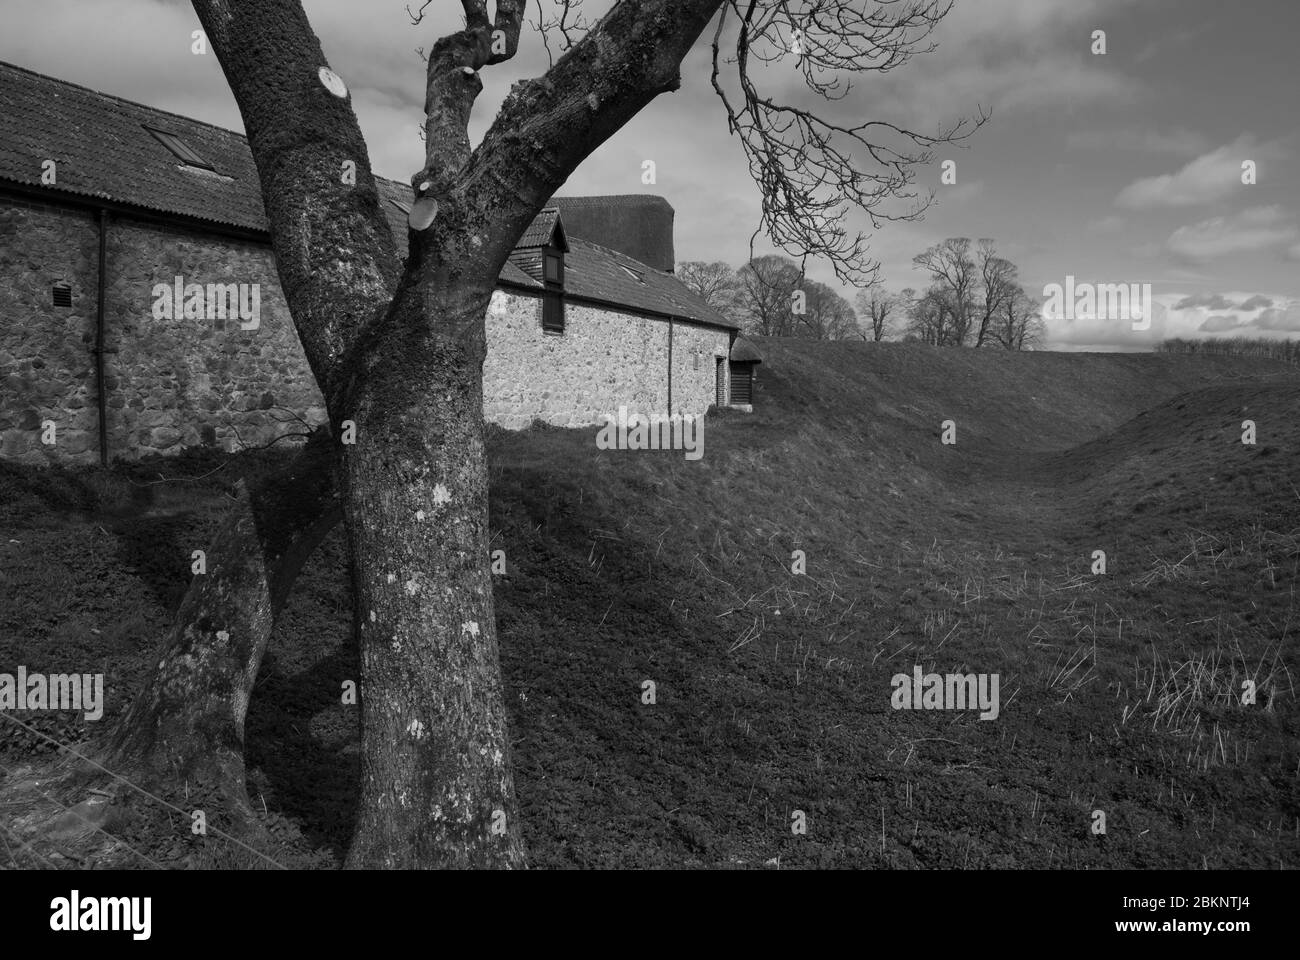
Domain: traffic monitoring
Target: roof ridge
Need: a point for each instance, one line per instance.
(612, 196)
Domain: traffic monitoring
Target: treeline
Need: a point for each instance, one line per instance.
(974, 298)
(1287, 351)
(771, 297)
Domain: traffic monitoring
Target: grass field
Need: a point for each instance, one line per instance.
(1119, 692)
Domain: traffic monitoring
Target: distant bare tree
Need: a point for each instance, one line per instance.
(715, 283)
(767, 286)
(1019, 323)
(955, 281)
(826, 316)
(998, 283)
(878, 310)
(930, 317)
(1287, 351)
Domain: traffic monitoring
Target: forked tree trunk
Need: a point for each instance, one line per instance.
(437, 789)
(186, 726)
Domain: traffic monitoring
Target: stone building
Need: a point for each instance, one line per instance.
(140, 310)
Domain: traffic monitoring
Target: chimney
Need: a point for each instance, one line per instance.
(639, 225)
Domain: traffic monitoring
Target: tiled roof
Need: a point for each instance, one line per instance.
(744, 351)
(103, 149)
(598, 273)
(545, 225)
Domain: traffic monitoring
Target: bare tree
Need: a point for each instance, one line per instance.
(716, 283)
(998, 282)
(878, 309)
(1019, 324)
(812, 170)
(955, 280)
(929, 317)
(397, 350)
(826, 315)
(767, 288)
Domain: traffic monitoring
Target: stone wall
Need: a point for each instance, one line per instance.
(172, 383)
(603, 359)
(47, 371)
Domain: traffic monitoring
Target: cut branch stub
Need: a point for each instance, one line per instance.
(422, 213)
(332, 82)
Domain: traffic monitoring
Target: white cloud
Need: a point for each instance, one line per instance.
(1251, 230)
(1280, 318)
(1221, 322)
(1211, 176)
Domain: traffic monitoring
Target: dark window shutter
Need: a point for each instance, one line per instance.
(552, 312)
(554, 268)
(62, 295)
(742, 383)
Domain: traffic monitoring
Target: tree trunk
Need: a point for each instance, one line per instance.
(186, 725)
(437, 790)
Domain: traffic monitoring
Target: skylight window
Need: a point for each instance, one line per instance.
(181, 149)
(638, 277)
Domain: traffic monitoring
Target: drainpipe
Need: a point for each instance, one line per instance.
(101, 216)
(670, 366)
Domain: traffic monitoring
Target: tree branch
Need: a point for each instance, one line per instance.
(548, 125)
(452, 85)
(334, 250)
(811, 170)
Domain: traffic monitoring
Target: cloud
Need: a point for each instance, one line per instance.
(1257, 302)
(1210, 301)
(1250, 231)
(1109, 224)
(1005, 55)
(1013, 20)
(1276, 318)
(1183, 143)
(1221, 322)
(1210, 177)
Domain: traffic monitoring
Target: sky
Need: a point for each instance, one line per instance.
(1122, 168)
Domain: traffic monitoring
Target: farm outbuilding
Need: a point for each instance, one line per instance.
(140, 309)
